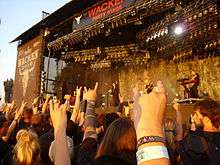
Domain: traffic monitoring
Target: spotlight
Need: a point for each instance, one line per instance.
(178, 30)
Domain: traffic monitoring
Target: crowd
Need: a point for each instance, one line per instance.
(55, 132)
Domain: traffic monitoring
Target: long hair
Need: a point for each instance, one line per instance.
(27, 149)
(119, 141)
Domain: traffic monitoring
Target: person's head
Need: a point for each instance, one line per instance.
(206, 113)
(27, 148)
(4, 124)
(37, 123)
(119, 140)
(108, 119)
(102, 123)
(27, 115)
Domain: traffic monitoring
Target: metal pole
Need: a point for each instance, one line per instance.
(48, 65)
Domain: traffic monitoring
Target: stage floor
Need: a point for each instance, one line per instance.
(186, 110)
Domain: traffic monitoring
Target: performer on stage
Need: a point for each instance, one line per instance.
(115, 95)
(191, 91)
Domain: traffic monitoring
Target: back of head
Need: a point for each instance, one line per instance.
(27, 148)
(27, 114)
(109, 118)
(4, 124)
(37, 123)
(2, 121)
(120, 141)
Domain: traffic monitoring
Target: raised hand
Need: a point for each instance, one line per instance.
(12, 126)
(91, 94)
(59, 120)
(58, 115)
(151, 112)
(12, 104)
(78, 91)
(45, 104)
(48, 96)
(121, 98)
(76, 115)
(67, 97)
(20, 111)
(137, 108)
(36, 101)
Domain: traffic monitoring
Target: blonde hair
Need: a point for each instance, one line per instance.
(27, 148)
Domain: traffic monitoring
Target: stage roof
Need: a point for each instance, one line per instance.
(59, 15)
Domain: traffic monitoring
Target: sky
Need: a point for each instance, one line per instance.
(17, 16)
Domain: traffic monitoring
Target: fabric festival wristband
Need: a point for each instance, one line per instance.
(148, 139)
(150, 153)
(83, 105)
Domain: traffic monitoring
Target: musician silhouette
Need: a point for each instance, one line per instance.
(191, 91)
(115, 94)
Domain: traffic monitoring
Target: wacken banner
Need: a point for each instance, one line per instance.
(100, 11)
(26, 86)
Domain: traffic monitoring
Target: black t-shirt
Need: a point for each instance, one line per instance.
(202, 148)
(45, 142)
(87, 151)
(74, 131)
(4, 149)
(110, 160)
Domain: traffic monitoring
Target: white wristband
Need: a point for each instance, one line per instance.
(151, 152)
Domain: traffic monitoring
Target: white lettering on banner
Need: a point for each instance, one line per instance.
(28, 51)
(26, 65)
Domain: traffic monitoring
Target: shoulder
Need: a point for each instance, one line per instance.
(213, 137)
(87, 151)
(89, 143)
(192, 142)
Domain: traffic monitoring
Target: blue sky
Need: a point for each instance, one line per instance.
(16, 17)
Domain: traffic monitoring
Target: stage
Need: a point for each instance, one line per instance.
(185, 108)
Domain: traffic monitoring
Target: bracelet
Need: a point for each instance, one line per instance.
(150, 153)
(148, 139)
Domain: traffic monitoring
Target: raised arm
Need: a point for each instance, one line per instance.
(149, 113)
(179, 127)
(35, 104)
(77, 105)
(9, 110)
(59, 120)
(46, 103)
(17, 117)
(90, 116)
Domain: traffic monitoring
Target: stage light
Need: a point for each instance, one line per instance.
(178, 30)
